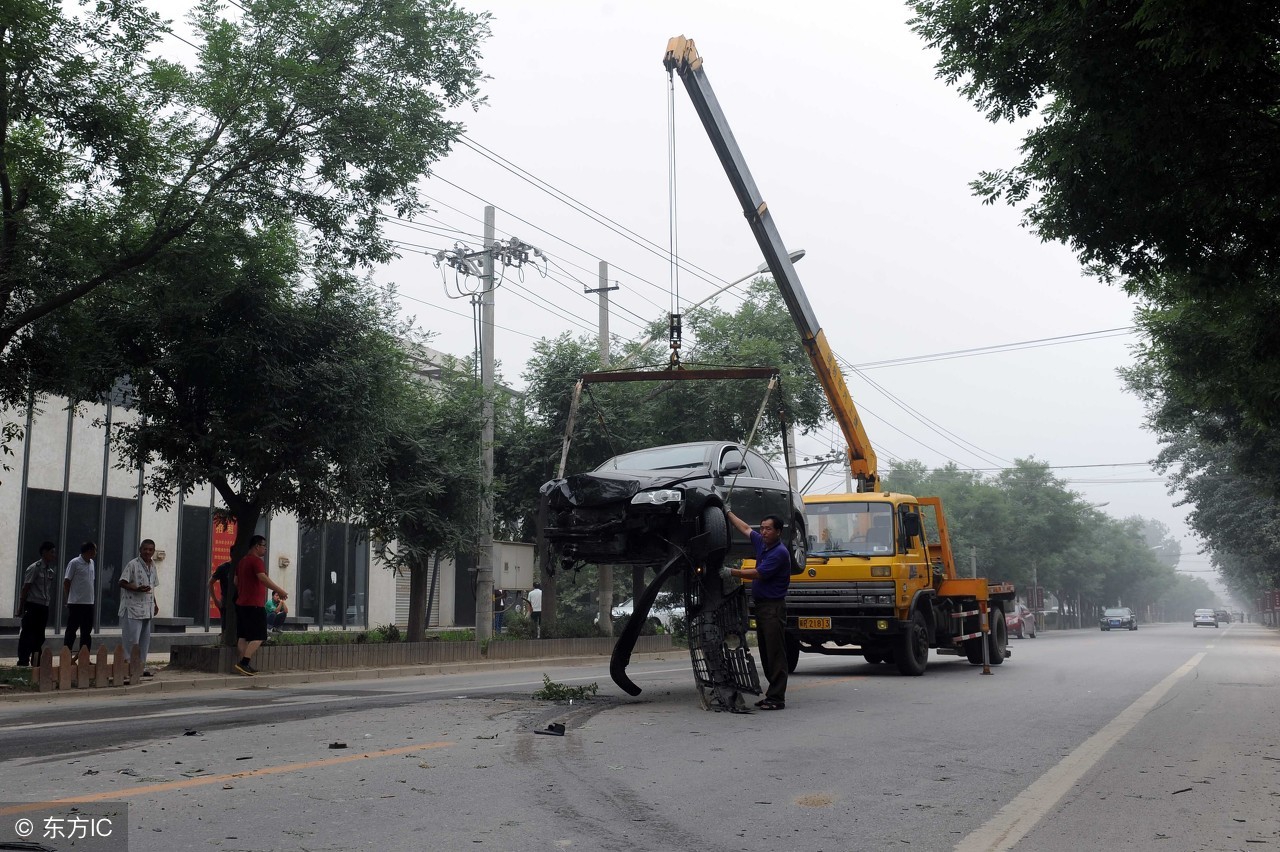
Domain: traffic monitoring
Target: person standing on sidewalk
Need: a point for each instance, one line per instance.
(769, 582)
(78, 588)
(252, 584)
(138, 603)
(535, 607)
(34, 601)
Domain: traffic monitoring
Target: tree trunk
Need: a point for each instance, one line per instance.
(418, 588)
(246, 522)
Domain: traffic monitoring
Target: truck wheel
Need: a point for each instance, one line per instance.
(716, 526)
(998, 639)
(913, 654)
(793, 651)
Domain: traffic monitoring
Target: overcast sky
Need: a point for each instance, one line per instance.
(864, 158)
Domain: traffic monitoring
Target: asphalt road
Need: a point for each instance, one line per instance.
(1162, 739)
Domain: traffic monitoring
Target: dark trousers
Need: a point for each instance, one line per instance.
(79, 617)
(35, 618)
(771, 633)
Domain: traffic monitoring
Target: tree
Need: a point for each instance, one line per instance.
(269, 378)
(1152, 159)
(296, 111)
(428, 478)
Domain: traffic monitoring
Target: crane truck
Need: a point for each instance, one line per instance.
(880, 579)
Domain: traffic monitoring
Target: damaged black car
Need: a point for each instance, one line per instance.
(637, 507)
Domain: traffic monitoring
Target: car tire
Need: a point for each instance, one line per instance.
(912, 654)
(716, 526)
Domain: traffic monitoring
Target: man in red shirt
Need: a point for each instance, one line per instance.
(252, 584)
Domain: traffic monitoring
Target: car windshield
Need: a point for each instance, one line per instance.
(659, 458)
(1208, 612)
(1119, 613)
(857, 529)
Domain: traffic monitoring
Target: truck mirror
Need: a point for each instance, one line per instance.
(911, 524)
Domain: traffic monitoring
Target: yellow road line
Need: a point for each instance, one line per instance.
(203, 780)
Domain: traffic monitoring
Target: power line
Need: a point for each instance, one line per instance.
(1085, 336)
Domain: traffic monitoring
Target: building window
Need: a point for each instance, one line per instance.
(333, 575)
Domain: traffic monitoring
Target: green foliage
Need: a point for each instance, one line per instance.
(309, 113)
(552, 691)
(1026, 524)
(1152, 136)
(16, 679)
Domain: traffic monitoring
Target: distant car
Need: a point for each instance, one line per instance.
(1222, 615)
(641, 508)
(1118, 618)
(664, 611)
(1020, 621)
(1205, 617)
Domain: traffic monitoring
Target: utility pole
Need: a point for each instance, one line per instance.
(604, 587)
(510, 252)
(484, 565)
(848, 473)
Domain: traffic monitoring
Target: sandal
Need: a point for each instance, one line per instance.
(769, 704)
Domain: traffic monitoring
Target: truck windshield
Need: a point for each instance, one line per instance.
(858, 529)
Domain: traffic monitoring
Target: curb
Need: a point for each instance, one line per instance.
(179, 681)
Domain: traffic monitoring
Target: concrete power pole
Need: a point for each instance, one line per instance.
(484, 565)
(604, 587)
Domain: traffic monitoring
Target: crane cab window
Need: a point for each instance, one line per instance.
(850, 529)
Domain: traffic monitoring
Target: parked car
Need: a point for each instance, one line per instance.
(638, 508)
(1205, 617)
(1020, 621)
(668, 607)
(1119, 618)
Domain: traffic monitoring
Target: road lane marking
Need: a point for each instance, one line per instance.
(1012, 822)
(203, 780)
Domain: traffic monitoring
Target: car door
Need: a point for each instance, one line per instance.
(743, 492)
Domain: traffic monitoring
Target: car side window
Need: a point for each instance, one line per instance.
(760, 467)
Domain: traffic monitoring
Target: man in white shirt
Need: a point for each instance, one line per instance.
(535, 606)
(138, 603)
(78, 589)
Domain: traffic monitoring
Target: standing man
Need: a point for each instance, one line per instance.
(499, 609)
(769, 581)
(34, 601)
(535, 607)
(138, 602)
(252, 584)
(78, 589)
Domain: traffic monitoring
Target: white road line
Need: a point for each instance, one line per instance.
(1012, 822)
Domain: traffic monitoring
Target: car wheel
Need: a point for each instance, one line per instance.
(912, 656)
(716, 527)
(793, 651)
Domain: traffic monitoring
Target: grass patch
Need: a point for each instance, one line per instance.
(552, 691)
(16, 679)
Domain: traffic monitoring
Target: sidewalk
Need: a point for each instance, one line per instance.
(168, 681)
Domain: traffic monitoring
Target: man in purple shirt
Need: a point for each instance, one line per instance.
(769, 581)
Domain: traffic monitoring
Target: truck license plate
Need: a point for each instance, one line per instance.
(815, 623)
